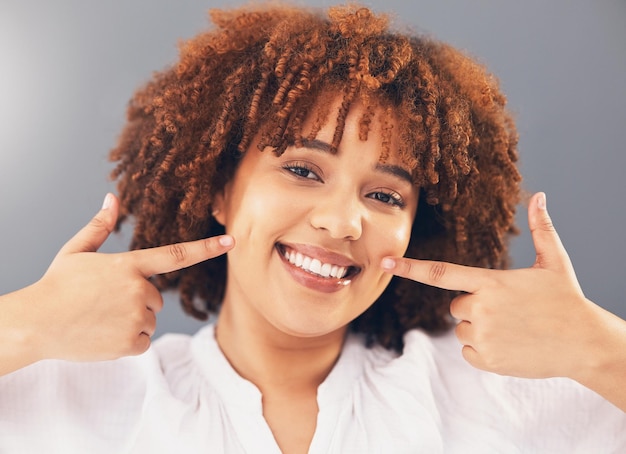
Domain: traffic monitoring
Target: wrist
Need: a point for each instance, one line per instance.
(603, 349)
(18, 334)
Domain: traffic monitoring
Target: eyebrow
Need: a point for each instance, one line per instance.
(316, 144)
(395, 170)
(398, 171)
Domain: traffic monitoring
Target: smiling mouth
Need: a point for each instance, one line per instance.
(315, 266)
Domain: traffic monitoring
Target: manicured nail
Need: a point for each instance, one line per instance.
(388, 264)
(108, 199)
(226, 240)
(541, 201)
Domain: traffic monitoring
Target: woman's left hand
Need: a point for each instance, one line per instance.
(533, 322)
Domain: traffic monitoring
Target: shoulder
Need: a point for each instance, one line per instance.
(474, 408)
(540, 414)
(91, 407)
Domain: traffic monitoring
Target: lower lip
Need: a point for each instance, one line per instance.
(313, 281)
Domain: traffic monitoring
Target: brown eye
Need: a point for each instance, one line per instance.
(388, 198)
(302, 171)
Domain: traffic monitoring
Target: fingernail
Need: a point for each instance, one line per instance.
(108, 199)
(541, 201)
(388, 263)
(226, 240)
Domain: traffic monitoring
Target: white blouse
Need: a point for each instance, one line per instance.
(183, 396)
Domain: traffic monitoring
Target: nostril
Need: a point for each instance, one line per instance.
(340, 224)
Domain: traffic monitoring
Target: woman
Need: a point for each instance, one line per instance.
(326, 148)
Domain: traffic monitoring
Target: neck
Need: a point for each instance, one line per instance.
(272, 359)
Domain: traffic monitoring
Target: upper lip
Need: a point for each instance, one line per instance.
(322, 254)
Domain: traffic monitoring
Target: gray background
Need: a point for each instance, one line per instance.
(67, 69)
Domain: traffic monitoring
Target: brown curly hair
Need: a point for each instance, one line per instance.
(262, 70)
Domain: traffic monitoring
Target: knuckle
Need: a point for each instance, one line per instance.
(157, 305)
(544, 223)
(135, 320)
(469, 354)
(127, 345)
(178, 252)
(491, 280)
(149, 325)
(491, 363)
(134, 343)
(455, 308)
(119, 261)
(458, 331)
(137, 345)
(98, 223)
(142, 344)
(209, 245)
(437, 271)
(152, 323)
(481, 312)
(136, 291)
(547, 225)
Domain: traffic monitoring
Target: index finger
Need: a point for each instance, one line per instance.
(444, 275)
(165, 259)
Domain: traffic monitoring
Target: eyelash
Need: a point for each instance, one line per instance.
(297, 167)
(391, 198)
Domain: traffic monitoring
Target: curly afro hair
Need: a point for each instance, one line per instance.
(259, 73)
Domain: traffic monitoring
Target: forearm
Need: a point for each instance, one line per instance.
(17, 338)
(604, 368)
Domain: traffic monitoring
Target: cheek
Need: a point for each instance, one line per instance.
(260, 212)
(391, 236)
(402, 235)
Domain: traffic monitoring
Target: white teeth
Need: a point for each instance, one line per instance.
(338, 271)
(315, 266)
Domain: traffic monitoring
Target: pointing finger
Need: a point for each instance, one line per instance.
(94, 234)
(165, 259)
(438, 274)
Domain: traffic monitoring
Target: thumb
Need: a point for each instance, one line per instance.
(94, 234)
(548, 246)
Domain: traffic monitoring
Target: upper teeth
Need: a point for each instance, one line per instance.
(315, 266)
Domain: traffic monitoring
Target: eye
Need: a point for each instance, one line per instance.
(302, 170)
(388, 197)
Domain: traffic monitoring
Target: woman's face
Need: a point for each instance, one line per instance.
(311, 228)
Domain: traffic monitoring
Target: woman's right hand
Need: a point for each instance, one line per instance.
(91, 306)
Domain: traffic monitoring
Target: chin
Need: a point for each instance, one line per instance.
(308, 328)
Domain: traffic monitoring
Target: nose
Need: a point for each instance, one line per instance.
(340, 215)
